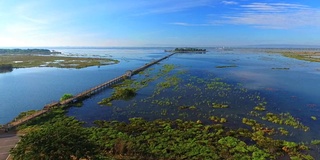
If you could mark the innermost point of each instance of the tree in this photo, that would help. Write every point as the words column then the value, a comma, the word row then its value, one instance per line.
column 62, row 140
column 66, row 96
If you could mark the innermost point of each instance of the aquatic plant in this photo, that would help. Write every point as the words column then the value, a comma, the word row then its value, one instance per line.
column 119, row 94
column 218, row 119
column 285, row 119
column 315, row 142
column 278, row 68
column 254, row 113
column 229, row 66
column 216, row 105
column 259, row 108
column 283, row 131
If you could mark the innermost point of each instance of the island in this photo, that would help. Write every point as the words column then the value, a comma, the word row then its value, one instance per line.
column 26, row 58
column 188, row 50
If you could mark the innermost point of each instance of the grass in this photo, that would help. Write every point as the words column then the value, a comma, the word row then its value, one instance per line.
column 306, row 55
column 27, row 61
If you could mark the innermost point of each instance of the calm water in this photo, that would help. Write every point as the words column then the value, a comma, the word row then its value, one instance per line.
column 294, row 90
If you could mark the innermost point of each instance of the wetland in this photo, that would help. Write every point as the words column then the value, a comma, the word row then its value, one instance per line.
column 218, row 105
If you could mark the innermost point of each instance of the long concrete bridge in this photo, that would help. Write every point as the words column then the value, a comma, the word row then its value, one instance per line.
column 83, row 95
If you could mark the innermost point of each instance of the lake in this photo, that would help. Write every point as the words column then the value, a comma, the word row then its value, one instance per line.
column 282, row 84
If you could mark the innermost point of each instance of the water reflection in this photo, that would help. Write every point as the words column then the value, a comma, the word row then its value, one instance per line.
column 6, row 68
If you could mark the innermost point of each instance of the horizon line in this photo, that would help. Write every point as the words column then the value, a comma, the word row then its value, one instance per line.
column 172, row 46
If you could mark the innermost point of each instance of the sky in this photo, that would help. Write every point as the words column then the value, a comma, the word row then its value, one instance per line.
column 118, row 23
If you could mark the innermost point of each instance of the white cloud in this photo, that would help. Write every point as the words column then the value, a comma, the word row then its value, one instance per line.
column 274, row 7
column 274, row 16
column 188, row 24
column 170, row 6
column 229, row 2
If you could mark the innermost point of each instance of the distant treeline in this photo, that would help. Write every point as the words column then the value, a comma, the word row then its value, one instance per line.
column 184, row 50
column 189, row 50
column 28, row 51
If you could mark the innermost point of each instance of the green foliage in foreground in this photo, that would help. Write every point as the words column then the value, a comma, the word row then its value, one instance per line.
column 165, row 139
column 58, row 141
column 56, row 136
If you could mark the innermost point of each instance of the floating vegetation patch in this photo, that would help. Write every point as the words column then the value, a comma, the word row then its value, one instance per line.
column 259, row 108
column 281, row 68
column 286, row 119
column 315, row 142
column 120, row 94
column 215, row 105
column 218, row 119
column 230, row 66
column 188, row 107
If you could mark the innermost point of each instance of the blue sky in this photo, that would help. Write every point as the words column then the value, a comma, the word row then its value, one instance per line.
column 158, row 23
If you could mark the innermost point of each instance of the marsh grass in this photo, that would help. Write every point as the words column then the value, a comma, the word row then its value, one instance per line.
column 27, row 61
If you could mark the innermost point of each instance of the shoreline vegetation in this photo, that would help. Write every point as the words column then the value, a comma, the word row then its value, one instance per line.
column 306, row 54
column 20, row 58
column 311, row 55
